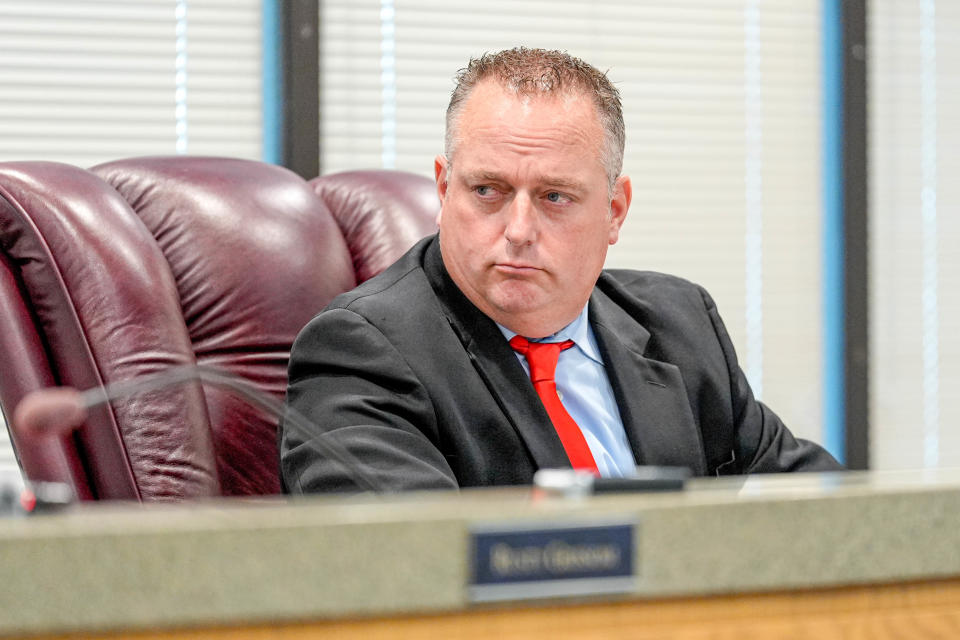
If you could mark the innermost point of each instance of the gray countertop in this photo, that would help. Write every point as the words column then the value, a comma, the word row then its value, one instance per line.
column 119, row 566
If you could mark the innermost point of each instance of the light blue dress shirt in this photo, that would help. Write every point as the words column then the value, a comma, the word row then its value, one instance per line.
column 586, row 394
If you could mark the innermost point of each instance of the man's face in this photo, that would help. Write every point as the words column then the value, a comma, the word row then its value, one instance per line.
column 526, row 215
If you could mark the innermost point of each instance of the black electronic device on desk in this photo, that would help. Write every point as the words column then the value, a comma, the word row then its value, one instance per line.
column 573, row 483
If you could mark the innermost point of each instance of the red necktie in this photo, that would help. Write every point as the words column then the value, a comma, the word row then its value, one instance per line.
column 542, row 358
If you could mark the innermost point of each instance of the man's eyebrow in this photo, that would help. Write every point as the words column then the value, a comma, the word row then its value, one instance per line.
column 482, row 176
column 547, row 181
column 563, row 183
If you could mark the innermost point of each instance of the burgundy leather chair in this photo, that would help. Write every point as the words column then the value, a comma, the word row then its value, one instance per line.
column 137, row 265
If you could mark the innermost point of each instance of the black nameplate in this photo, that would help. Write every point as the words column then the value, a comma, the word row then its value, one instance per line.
column 547, row 561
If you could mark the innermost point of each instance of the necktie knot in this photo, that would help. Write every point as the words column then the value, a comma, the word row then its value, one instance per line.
column 541, row 356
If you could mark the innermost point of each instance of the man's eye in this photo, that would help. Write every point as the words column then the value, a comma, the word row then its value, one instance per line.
column 556, row 197
column 483, row 190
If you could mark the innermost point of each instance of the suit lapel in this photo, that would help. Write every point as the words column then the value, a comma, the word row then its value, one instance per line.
column 651, row 395
column 497, row 365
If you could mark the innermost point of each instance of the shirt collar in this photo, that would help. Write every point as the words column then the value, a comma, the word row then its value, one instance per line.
column 579, row 331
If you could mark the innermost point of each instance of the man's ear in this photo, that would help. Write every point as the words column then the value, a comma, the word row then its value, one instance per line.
column 440, row 165
column 619, row 204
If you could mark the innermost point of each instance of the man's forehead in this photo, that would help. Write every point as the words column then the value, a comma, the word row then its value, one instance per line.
column 497, row 113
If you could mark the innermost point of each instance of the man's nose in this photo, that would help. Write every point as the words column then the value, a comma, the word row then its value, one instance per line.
column 521, row 227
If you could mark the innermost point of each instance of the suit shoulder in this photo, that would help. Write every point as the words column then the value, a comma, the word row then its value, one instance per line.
column 652, row 287
column 640, row 278
column 400, row 281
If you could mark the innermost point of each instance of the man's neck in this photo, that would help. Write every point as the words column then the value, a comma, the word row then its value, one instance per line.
column 570, row 331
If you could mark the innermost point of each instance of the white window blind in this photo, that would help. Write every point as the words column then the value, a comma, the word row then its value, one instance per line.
column 224, row 78
column 722, row 105
column 914, row 63
column 87, row 81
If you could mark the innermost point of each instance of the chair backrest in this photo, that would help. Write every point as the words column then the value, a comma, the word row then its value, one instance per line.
column 136, row 265
column 382, row 213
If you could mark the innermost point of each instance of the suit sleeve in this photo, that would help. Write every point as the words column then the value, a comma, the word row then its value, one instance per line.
column 357, row 392
column 762, row 443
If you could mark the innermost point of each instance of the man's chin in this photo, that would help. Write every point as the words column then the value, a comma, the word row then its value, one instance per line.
column 517, row 297
column 516, row 308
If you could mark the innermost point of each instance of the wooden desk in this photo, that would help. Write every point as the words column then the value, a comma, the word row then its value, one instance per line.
column 858, row 556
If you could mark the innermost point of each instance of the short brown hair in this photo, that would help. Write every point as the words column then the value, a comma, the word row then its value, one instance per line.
column 541, row 71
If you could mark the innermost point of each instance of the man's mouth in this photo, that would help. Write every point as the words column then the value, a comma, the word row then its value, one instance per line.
column 515, row 268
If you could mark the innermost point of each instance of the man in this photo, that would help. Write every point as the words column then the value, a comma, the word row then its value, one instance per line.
column 418, row 373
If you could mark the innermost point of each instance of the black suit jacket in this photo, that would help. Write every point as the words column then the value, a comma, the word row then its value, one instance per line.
column 422, row 387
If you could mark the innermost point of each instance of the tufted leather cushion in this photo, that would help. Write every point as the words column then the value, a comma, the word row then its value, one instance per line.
column 130, row 267
column 80, row 256
column 381, row 213
column 141, row 264
column 254, row 256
